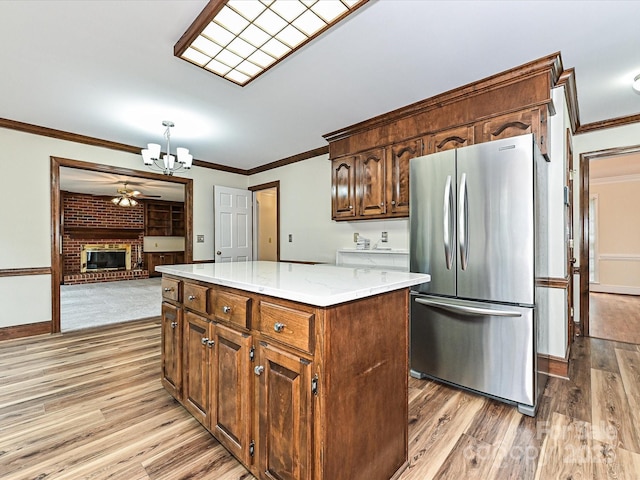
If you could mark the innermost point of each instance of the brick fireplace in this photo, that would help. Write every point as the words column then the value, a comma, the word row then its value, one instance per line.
column 95, row 223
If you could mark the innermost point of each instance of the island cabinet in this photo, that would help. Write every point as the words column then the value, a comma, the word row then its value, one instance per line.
column 293, row 391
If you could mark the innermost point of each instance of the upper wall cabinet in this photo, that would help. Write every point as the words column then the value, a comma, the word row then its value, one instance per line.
column 371, row 159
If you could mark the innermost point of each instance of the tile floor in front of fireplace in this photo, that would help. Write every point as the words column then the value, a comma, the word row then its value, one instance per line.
column 95, row 304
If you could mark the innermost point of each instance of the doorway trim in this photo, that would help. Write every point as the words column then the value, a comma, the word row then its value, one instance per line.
column 585, row 158
column 266, row 186
column 56, row 205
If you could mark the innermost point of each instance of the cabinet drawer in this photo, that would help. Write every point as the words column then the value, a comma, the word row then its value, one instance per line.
column 293, row 327
column 195, row 297
column 171, row 289
column 230, row 307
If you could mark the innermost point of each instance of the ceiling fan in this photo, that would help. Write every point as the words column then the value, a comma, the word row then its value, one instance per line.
column 128, row 198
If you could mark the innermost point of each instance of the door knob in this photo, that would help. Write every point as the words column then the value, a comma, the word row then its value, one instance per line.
column 218, row 252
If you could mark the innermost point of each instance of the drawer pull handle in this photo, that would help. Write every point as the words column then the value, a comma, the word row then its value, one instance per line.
column 174, row 324
column 258, row 370
column 168, row 289
column 226, row 309
column 192, row 297
column 278, row 327
column 204, row 340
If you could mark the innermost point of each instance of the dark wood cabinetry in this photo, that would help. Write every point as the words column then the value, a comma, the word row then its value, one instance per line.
column 449, row 139
column 344, row 187
column 398, row 175
column 172, row 349
column 267, row 377
column 164, row 219
column 511, row 103
column 155, row 259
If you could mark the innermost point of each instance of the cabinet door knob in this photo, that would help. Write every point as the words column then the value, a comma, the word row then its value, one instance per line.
column 204, row 340
column 393, row 202
column 192, row 297
column 278, row 327
column 211, row 343
column 168, row 289
column 258, row 370
column 226, row 309
column 350, row 207
column 174, row 324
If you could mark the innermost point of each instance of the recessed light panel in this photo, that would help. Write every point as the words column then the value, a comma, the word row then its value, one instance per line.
column 240, row 39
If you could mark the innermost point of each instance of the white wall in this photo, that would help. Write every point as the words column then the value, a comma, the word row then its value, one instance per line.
column 25, row 225
column 305, row 213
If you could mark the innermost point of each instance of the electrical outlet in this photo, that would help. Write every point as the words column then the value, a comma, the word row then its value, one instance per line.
column 200, row 238
column 355, row 237
column 290, row 237
column 384, row 237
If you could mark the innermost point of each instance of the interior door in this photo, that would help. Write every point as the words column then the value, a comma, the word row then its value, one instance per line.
column 432, row 220
column 233, row 224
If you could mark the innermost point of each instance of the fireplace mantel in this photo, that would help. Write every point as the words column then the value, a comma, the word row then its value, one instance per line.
column 94, row 233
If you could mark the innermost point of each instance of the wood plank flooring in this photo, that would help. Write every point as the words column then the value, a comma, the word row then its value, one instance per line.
column 614, row 317
column 89, row 405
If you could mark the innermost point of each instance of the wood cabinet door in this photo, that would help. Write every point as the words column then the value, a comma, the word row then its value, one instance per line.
column 285, row 420
column 398, row 175
column 370, row 184
column 171, row 349
column 343, row 185
column 519, row 123
column 449, row 139
column 196, row 366
column 231, row 390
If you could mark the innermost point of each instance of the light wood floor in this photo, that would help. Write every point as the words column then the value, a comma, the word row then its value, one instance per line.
column 615, row 317
column 89, row 405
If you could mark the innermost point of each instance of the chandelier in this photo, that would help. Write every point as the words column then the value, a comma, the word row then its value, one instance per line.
column 169, row 163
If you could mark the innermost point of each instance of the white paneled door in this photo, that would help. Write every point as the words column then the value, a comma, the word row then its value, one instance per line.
column 232, row 224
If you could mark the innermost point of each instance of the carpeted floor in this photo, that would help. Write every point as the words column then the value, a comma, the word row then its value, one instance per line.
column 95, row 304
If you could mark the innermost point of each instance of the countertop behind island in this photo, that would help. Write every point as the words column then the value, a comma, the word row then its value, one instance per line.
column 319, row 285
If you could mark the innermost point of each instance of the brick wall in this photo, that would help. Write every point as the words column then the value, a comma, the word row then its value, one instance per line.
column 82, row 210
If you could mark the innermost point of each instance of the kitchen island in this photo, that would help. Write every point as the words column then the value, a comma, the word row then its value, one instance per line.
column 300, row 371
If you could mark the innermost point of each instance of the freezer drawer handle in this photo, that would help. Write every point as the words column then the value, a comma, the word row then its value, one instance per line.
column 468, row 310
column 448, row 226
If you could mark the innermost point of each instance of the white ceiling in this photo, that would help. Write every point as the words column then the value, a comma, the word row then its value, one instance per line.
column 106, row 69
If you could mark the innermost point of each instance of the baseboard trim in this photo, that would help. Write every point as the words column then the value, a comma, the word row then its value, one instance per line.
column 621, row 289
column 557, row 366
column 28, row 330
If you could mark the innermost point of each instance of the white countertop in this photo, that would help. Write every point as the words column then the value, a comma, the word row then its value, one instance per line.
column 319, row 285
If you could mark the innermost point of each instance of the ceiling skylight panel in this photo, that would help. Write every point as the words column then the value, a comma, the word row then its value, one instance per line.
column 220, row 35
column 276, row 48
column 230, row 20
column 249, row 9
column 229, row 58
column 206, row 46
column 261, row 58
column 288, row 9
column 242, row 48
column 329, row 10
column 195, row 56
column 255, row 36
column 309, row 23
column 291, row 36
column 251, row 69
column 217, row 67
column 240, row 39
column 237, row 77
column 270, row 22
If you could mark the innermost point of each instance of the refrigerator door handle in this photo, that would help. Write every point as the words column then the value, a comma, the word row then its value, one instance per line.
column 464, row 223
column 448, row 225
column 464, row 309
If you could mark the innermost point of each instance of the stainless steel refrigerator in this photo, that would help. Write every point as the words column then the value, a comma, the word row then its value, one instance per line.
column 478, row 227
